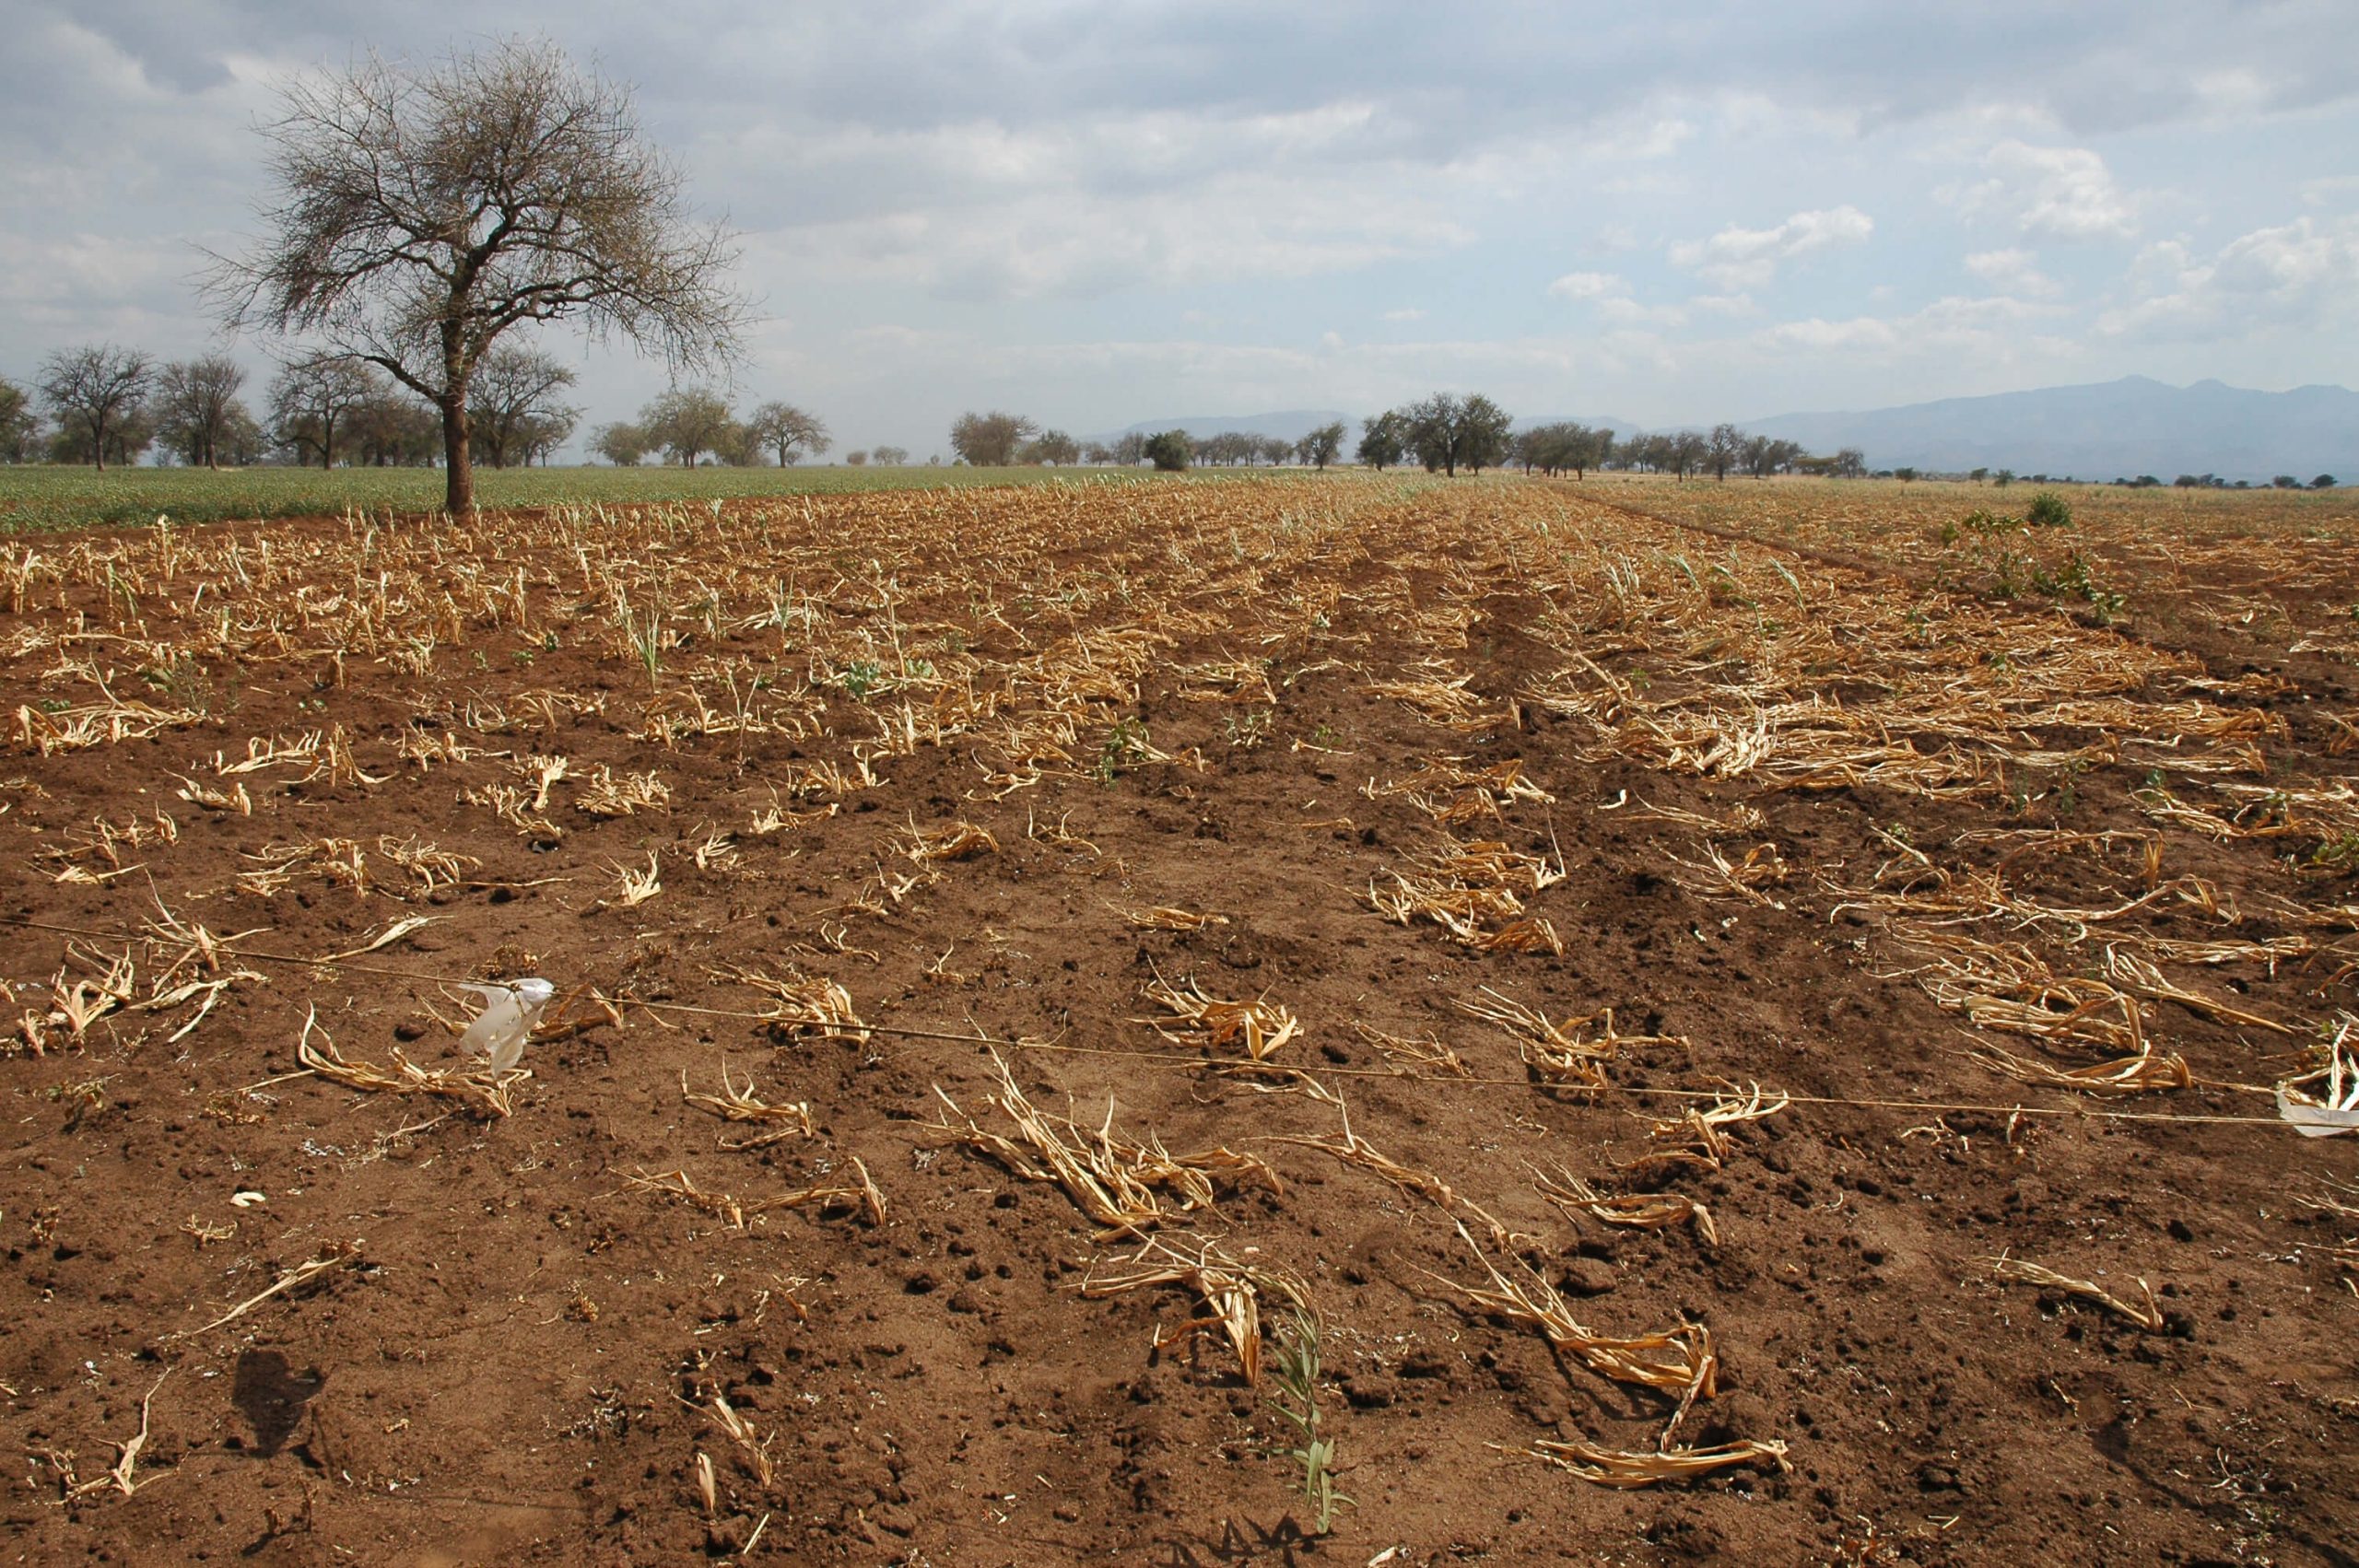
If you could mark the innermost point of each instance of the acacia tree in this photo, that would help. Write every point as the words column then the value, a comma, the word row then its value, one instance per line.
column 196, row 406
column 990, row 440
column 621, row 443
column 687, row 422
column 1051, row 447
column 1322, row 446
column 392, row 429
column 512, row 403
column 890, row 457
column 19, row 425
column 1384, row 440
column 1765, row 455
column 92, row 393
column 419, row 213
column 782, row 428
column 312, row 400
column 1449, row 433
column 1167, row 450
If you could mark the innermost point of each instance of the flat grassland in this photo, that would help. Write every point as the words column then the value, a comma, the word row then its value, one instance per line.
column 40, row 498
column 1743, row 1021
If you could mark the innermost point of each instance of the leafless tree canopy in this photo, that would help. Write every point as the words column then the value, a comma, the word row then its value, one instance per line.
column 93, row 392
column 513, row 402
column 315, row 402
column 197, row 407
column 420, row 214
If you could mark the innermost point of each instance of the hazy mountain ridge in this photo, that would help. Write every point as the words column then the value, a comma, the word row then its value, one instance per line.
column 2102, row 431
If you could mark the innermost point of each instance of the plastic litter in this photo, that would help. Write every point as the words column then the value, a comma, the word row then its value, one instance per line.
column 507, row 1019
column 2316, row 1115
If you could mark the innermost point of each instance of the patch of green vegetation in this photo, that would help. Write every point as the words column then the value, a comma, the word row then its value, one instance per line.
column 46, row 497
column 2337, row 856
column 1243, row 734
column 1126, row 746
column 1293, row 1399
column 2048, row 509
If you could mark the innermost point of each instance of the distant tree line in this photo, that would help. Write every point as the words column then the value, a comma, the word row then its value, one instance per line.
column 102, row 404
column 999, row 439
column 693, row 425
column 1444, row 434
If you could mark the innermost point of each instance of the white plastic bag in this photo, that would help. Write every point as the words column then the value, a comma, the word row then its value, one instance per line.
column 2323, row 1103
column 507, row 1019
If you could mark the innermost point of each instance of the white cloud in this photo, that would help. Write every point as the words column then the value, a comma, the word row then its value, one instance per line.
column 1621, row 311
column 1740, row 259
column 1407, row 314
column 2064, row 193
column 1048, row 242
column 2329, row 190
column 2015, row 271
column 2303, row 275
column 983, row 210
column 1589, row 286
column 1991, row 327
column 1723, row 305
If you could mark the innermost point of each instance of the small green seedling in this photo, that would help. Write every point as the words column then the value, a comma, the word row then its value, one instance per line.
column 1294, row 1398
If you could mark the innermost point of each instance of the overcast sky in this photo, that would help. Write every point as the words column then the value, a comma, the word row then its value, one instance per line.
column 1104, row 213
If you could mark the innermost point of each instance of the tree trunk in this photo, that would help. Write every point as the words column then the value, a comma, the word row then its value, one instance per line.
column 99, row 444
column 459, row 490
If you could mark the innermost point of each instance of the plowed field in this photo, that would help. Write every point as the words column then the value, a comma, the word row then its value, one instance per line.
column 1724, row 1049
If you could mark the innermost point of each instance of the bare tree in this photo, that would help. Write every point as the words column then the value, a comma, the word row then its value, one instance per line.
column 312, row 400
column 782, row 428
column 392, row 429
column 196, row 404
column 514, row 399
column 420, row 214
column 91, row 392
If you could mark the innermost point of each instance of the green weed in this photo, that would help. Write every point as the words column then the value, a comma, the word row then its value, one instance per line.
column 1293, row 1399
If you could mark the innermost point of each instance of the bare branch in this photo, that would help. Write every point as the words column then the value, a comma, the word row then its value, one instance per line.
column 421, row 214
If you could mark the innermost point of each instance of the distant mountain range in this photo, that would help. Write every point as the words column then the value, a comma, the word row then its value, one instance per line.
column 2109, row 429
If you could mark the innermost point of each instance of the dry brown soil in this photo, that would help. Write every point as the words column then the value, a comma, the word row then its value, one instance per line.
column 499, row 1338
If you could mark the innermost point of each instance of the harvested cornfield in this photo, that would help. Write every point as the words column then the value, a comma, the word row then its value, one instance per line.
column 1138, row 1021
